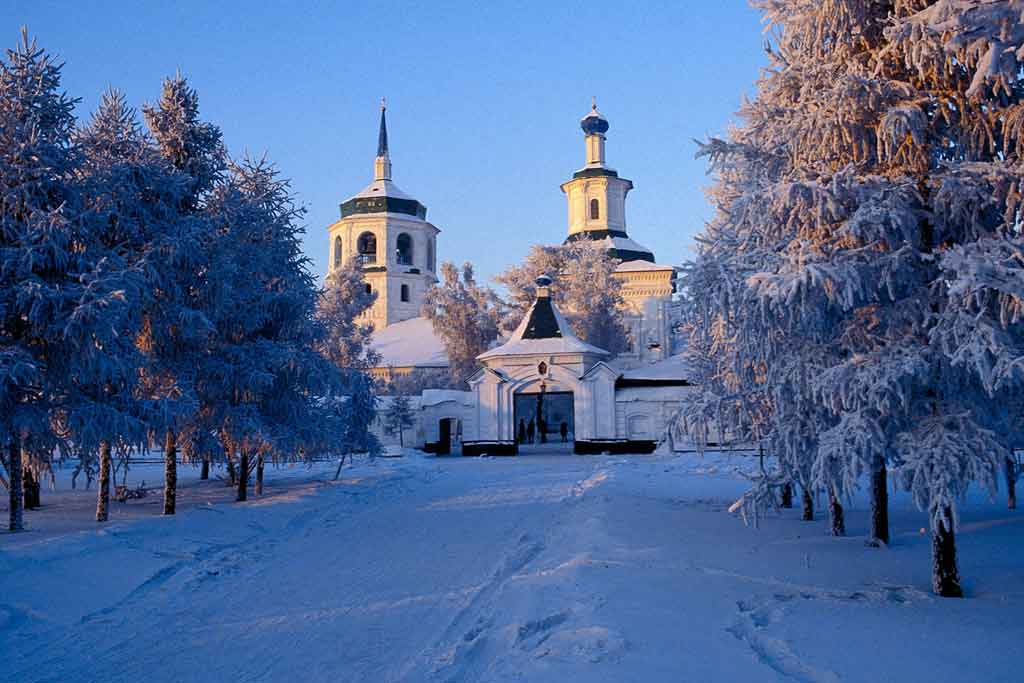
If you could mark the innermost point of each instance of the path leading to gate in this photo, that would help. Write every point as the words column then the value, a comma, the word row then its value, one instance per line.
column 535, row 568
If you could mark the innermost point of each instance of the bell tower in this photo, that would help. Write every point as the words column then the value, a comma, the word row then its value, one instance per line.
column 596, row 196
column 387, row 231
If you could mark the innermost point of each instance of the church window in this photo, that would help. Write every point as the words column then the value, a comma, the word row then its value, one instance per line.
column 595, row 209
column 404, row 250
column 405, row 292
column 337, row 252
column 367, row 247
column 430, row 255
column 369, row 288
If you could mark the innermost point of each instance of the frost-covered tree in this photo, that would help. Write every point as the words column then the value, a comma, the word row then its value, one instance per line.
column 398, row 417
column 466, row 317
column 346, row 344
column 879, row 153
column 589, row 294
column 37, row 254
column 126, row 196
column 267, row 389
column 343, row 301
column 175, row 327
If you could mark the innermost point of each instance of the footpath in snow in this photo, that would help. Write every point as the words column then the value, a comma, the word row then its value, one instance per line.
column 536, row 568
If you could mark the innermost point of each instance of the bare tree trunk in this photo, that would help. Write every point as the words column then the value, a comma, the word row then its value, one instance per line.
column 1011, row 484
column 243, row 477
column 30, row 487
column 259, row 475
column 945, row 575
column 879, row 500
column 16, row 522
column 787, row 495
column 204, row 472
column 835, row 509
column 808, row 505
column 170, row 473
column 103, row 491
column 232, row 472
column 340, row 465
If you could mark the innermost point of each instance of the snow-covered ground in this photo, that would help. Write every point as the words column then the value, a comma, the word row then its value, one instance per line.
column 537, row 568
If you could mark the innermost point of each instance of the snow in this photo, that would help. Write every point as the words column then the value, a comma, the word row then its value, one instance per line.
column 383, row 188
column 410, row 343
column 433, row 397
column 624, row 244
column 535, row 568
column 567, row 343
column 637, row 266
column 673, row 367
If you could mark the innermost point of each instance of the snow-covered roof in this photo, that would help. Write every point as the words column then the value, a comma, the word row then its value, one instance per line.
column 433, row 397
column 673, row 367
column 410, row 343
column 635, row 266
column 382, row 188
column 538, row 333
column 624, row 244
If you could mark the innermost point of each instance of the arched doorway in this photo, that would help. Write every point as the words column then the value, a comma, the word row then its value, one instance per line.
column 544, row 419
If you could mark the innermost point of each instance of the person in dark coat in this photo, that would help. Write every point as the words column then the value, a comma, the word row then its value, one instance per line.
column 522, row 430
column 563, row 429
column 529, row 431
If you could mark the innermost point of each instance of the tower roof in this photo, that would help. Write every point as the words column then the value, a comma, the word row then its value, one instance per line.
column 382, row 136
column 594, row 123
column 382, row 195
column 543, row 331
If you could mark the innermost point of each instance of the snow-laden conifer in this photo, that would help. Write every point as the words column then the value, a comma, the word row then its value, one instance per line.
column 41, row 257
column 176, row 329
column 880, row 151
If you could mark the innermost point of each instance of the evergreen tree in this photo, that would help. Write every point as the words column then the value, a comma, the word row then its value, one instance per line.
column 268, row 390
column 465, row 315
column 176, row 328
column 869, row 164
column 398, row 418
column 128, row 199
column 346, row 344
column 40, row 259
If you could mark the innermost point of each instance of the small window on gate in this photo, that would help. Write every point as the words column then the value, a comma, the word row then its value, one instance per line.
column 405, row 292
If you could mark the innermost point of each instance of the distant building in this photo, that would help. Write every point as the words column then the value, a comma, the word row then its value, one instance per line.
column 388, row 231
column 596, row 198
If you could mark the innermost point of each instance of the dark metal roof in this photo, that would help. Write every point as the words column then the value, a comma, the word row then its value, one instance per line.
column 542, row 324
column 410, row 207
column 596, row 173
column 382, row 137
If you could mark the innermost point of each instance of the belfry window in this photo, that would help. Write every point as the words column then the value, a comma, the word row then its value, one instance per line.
column 430, row 255
column 403, row 253
column 337, row 252
column 405, row 293
column 367, row 247
column 595, row 209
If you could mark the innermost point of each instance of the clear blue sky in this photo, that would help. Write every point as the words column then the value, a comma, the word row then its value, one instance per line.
column 483, row 100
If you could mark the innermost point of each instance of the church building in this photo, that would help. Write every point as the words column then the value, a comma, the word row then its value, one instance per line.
column 543, row 384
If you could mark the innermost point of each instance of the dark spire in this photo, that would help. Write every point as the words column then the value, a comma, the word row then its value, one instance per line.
column 382, row 138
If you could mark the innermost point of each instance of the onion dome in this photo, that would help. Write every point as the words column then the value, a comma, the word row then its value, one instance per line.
column 593, row 123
